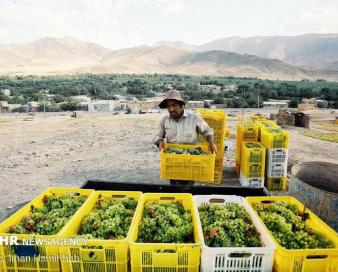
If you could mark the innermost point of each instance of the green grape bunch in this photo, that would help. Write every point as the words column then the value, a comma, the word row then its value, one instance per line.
column 165, row 223
column 110, row 219
column 50, row 218
column 288, row 226
column 227, row 226
column 188, row 151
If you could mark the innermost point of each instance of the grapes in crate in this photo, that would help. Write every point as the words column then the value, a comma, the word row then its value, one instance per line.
column 50, row 218
column 189, row 151
column 288, row 226
column 165, row 223
column 227, row 226
column 110, row 219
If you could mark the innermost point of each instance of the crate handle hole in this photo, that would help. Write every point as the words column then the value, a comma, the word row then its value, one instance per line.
column 90, row 249
column 74, row 194
column 267, row 201
column 239, row 255
column 118, row 196
column 216, row 200
column 165, row 251
column 311, row 257
column 167, row 198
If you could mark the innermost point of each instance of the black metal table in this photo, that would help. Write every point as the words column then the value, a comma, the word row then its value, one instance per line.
column 160, row 187
column 163, row 187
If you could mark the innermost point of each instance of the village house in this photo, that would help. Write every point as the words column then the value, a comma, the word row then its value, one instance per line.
column 33, row 106
column 211, row 88
column 194, row 104
column 146, row 105
column 6, row 92
column 275, row 105
column 100, row 105
column 81, row 98
column 4, row 106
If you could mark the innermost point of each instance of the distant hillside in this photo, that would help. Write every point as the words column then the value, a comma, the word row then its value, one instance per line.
column 221, row 62
column 69, row 55
column 178, row 45
column 49, row 55
column 144, row 59
column 316, row 51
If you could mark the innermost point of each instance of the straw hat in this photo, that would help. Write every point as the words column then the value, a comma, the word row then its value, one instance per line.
column 172, row 95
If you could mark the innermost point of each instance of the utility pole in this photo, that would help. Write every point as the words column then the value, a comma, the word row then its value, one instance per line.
column 43, row 91
column 44, row 107
column 244, row 101
column 258, row 101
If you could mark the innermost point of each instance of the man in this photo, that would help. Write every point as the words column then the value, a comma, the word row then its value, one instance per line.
column 180, row 126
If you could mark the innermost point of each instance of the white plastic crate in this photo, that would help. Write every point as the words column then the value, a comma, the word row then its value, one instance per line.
column 277, row 155
column 276, row 170
column 224, row 259
column 251, row 182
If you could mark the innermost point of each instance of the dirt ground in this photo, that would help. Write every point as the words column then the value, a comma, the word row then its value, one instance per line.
column 38, row 152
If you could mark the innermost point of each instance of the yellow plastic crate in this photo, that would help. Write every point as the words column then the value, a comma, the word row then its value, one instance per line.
column 217, row 123
column 276, row 184
column 219, row 144
column 252, row 152
column 255, row 118
column 187, row 167
column 253, row 170
column 238, row 151
column 239, row 148
column 253, row 160
column 302, row 260
column 274, row 138
column 215, row 118
column 98, row 254
column 267, row 123
column 218, row 138
column 227, row 132
column 218, row 177
column 181, row 257
column 247, row 130
column 204, row 111
column 237, row 168
column 218, row 171
column 47, row 255
column 264, row 123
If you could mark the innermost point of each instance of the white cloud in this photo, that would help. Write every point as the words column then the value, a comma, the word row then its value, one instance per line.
column 320, row 19
column 23, row 21
column 125, row 23
column 174, row 6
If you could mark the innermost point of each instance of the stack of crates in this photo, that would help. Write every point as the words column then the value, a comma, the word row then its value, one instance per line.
column 276, row 141
column 216, row 119
column 246, row 131
column 264, row 123
column 252, row 167
column 256, row 118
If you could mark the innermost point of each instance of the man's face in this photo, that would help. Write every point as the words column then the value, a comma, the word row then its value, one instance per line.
column 174, row 108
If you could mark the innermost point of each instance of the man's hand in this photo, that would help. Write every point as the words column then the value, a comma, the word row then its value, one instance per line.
column 213, row 147
column 160, row 144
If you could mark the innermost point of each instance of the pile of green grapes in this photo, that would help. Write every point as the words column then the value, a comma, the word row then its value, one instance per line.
column 165, row 223
column 189, row 151
column 288, row 226
column 110, row 219
column 50, row 218
column 227, row 226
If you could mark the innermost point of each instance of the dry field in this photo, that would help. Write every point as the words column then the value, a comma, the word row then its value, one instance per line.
column 37, row 152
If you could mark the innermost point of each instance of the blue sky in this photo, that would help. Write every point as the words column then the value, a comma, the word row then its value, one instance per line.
column 127, row 23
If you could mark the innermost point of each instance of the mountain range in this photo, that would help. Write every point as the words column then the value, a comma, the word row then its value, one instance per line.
column 311, row 56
